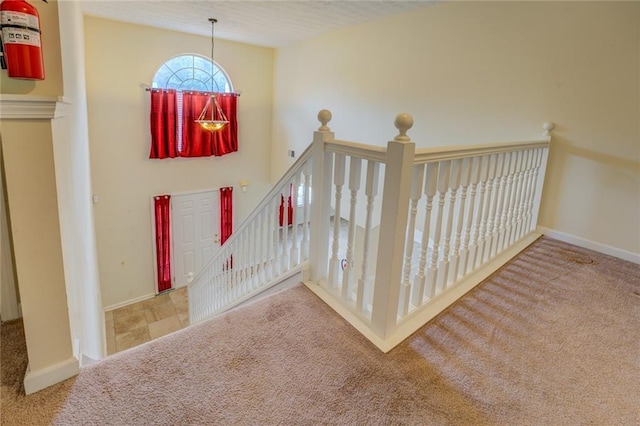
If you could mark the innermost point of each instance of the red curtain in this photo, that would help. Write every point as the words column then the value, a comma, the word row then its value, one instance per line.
column 289, row 208
column 163, row 124
column 225, row 141
column 226, row 213
column 196, row 142
column 162, row 207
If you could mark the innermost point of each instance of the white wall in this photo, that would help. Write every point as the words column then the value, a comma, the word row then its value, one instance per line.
column 120, row 59
column 474, row 72
column 27, row 148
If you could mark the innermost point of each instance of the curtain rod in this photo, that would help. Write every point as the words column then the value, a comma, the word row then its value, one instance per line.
column 148, row 89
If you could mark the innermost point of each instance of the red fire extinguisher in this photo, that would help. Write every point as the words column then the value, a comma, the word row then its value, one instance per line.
column 21, row 40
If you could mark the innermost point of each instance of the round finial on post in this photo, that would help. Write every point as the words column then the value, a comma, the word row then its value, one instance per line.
column 324, row 116
column 548, row 127
column 403, row 123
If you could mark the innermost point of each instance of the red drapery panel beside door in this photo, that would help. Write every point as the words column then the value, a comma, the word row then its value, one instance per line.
column 197, row 142
column 162, row 208
column 226, row 213
column 163, row 124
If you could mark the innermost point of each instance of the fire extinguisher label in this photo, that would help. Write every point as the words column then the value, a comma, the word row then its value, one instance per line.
column 19, row 19
column 20, row 36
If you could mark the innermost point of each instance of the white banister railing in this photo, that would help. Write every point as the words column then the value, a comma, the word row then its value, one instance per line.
column 270, row 245
column 387, row 236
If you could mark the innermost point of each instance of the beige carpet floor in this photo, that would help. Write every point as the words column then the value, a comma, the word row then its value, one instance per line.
column 553, row 338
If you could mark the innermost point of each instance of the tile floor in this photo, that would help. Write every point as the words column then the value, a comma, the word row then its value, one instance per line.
column 141, row 322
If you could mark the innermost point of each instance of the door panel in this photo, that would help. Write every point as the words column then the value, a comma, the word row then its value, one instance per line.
column 195, row 233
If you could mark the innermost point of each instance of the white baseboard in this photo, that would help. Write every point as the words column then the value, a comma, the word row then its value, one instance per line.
column 129, row 302
column 86, row 360
column 591, row 245
column 45, row 377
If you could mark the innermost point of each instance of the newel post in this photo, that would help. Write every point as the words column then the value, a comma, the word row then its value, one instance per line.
column 393, row 228
column 322, row 172
column 541, row 163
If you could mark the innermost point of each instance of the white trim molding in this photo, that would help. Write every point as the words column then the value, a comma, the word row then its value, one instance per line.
column 591, row 245
column 43, row 378
column 129, row 302
column 26, row 107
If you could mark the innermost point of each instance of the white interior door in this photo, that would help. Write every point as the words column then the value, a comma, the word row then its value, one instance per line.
column 195, row 220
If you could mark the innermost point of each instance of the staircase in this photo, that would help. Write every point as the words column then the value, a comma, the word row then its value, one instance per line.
column 388, row 237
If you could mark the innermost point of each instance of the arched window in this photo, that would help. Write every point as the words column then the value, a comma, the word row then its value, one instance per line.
column 177, row 99
column 192, row 72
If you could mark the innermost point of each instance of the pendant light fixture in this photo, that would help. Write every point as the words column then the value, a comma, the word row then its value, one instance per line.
column 217, row 120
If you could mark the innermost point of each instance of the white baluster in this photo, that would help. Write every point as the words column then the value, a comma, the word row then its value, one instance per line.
column 478, row 228
column 237, row 265
column 261, row 241
column 231, row 289
column 511, row 215
column 444, row 168
column 256, row 252
column 523, row 179
column 305, row 209
column 529, row 182
column 431, row 184
column 338, row 181
column 474, row 177
column 506, row 202
column 281, row 259
column 527, row 190
column 246, row 256
column 248, row 261
column 465, row 175
column 284, row 229
column 233, row 265
column 454, row 182
column 236, row 254
column 371, row 190
column 499, row 188
column 271, row 212
column 295, row 251
column 487, row 213
column 416, row 192
column 527, row 201
column 355, row 167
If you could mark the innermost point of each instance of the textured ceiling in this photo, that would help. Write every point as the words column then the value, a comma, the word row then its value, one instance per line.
column 272, row 23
